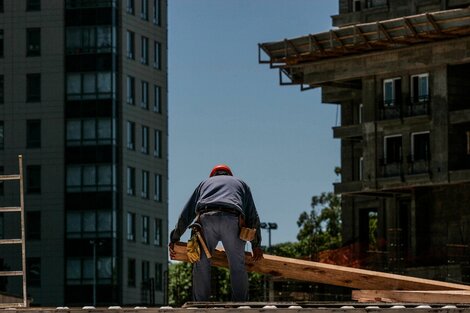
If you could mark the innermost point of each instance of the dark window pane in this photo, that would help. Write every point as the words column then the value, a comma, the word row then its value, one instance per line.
column 33, row 5
column 1, row 6
column 33, row 272
column 33, row 179
column 33, row 225
column 1, row 43
column 33, row 87
column 33, row 133
column 33, row 42
column 158, row 276
column 131, row 272
column 2, row 90
column 2, row 135
column 2, row 171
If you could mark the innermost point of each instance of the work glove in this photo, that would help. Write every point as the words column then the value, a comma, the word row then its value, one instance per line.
column 193, row 251
column 257, row 254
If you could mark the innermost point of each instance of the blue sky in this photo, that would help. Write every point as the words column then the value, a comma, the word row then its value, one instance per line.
column 224, row 107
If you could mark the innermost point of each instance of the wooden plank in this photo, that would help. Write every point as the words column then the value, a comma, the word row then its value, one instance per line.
column 328, row 274
column 413, row 296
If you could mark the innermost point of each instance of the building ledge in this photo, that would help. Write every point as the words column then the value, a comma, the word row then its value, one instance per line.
column 459, row 176
column 347, row 131
column 460, row 116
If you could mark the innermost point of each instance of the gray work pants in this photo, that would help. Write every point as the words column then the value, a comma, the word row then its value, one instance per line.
column 221, row 226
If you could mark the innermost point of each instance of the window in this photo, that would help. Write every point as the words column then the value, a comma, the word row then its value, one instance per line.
column 157, row 12
column 33, row 179
column 130, row 45
column 33, row 5
column 130, row 226
column 158, row 276
column 2, row 135
column 2, row 90
column 420, row 146
column 130, row 89
column 90, row 85
column 131, row 272
column 157, row 55
column 90, row 224
column 376, row 3
column 1, row 43
column 2, row 232
column 393, row 149
column 33, row 42
column 145, row 271
column 144, row 14
column 144, row 94
column 157, row 99
column 33, row 87
column 130, row 135
column 145, row 140
column 157, row 239
column 91, row 177
column 157, row 140
column 33, row 134
column 1, row 6
column 145, row 229
column 2, row 188
column 361, row 168
column 144, row 50
column 356, row 5
column 392, row 91
column 130, row 181
column 91, row 132
column 420, row 88
column 360, row 113
column 33, row 272
column 33, row 225
column 90, row 39
column 158, row 188
column 145, row 185
column 130, row 6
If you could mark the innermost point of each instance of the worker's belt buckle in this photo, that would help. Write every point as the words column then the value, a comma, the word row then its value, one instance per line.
column 247, row 234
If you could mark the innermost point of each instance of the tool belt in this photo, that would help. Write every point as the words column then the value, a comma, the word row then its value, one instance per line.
column 246, row 233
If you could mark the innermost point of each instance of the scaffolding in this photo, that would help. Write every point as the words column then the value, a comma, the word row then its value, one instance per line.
column 18, row 241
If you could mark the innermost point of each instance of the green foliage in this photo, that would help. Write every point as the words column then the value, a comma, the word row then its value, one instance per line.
column 320, row 229
column 180, row 283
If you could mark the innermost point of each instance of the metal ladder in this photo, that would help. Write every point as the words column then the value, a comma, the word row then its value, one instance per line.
column 20, row 241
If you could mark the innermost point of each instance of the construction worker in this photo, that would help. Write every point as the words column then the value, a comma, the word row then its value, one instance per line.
column 219, row 203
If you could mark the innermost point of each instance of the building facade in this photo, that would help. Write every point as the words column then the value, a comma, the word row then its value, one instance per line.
column 399, row 72
column 83, row 97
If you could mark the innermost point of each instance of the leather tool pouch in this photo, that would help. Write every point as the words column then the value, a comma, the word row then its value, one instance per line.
column 246, row 233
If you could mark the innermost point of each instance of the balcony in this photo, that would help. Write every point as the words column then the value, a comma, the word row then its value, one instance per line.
column 394, row 109
column 391, row 168
column 419, row 166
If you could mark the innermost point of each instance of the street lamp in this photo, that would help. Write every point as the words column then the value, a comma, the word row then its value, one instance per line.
column 268, row 226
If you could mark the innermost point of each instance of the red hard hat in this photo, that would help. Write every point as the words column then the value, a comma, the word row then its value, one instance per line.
column 221, row 168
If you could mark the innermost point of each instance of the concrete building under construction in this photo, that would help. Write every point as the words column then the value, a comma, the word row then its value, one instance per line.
column 399, row 70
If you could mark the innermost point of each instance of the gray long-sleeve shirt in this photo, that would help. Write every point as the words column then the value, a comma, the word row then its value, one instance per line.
column 225, row 191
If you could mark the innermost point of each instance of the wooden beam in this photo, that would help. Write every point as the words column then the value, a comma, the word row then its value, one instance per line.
column 419, row 296
column 327, row 274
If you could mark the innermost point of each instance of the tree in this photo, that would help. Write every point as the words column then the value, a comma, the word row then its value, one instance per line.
column 180, row 283
column 320, row 229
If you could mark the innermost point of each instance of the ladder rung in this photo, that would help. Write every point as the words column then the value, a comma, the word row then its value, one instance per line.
column 11, row 273
column 9, row 177
column 12, row 305
column 10, row 241
column 10, row 209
